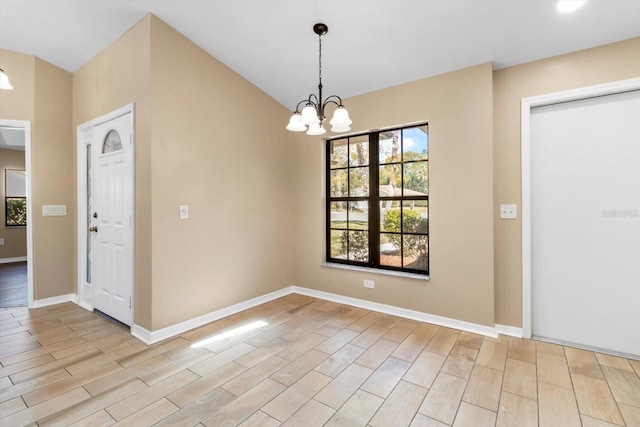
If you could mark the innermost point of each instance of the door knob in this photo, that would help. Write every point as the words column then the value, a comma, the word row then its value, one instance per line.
column 93, row 229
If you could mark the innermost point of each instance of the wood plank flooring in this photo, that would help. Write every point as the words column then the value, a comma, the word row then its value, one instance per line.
column 13, row 284
column 314, row 363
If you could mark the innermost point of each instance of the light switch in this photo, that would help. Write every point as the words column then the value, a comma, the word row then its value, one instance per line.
column 54, row 210
column 508, row 211
column 184, row 211
column 1, row 241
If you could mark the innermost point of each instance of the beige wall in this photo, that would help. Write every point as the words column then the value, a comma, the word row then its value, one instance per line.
column 458, row 108
column 207, row 138
column 218, row 145
column 599, row 65
column 15, row 238
column 52, row 168
column 42, row 95
column 118, row 76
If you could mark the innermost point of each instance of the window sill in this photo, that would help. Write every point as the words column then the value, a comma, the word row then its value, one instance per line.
column 376, row 271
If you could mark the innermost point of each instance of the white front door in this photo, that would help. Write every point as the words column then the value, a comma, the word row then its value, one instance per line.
column 112, row 218
column 585, row 222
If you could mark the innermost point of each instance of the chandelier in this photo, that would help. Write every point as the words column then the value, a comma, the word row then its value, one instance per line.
column 311, row 118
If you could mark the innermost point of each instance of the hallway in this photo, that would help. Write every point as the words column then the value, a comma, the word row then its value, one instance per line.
column 13, row 284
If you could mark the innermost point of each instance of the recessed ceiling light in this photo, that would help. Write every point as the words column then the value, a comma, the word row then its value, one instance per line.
column 568, row 6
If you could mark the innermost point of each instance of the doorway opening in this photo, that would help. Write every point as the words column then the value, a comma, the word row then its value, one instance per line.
column 16, row 244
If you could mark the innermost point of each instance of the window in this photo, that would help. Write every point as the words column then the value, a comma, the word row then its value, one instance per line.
column 112, row 142
column 386, row 225
column 15, row 200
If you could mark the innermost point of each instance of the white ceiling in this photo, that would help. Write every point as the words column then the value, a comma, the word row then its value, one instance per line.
column 370, row 45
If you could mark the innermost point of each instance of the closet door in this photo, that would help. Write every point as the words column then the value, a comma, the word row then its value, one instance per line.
column 585, row 222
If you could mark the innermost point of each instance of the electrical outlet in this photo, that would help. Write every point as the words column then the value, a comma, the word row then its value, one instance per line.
column 1, row 241
column 184, row 211
column 369, row 284
column 508, row 211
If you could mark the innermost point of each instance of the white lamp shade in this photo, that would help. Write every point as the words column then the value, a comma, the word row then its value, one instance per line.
column 340, row 118
column 295, row 124
column 316, row 129
column 4, row 81
column 310, row 115
column 340, row 129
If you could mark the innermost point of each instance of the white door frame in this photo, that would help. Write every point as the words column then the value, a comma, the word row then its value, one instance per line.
column 26, row 125
column 84, row 138
column 526, row 105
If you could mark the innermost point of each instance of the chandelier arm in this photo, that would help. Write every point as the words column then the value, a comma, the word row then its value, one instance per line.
column 304, row 101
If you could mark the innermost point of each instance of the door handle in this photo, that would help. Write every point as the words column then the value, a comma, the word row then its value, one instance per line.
column 93, row 229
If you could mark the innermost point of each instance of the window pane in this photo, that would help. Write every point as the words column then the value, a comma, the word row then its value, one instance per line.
column 338, row 215
column 338, row 153
column 339, row 244
column 416, row 251
column 389, row 147
column 390, row 250
column 358, row 182
column 390, row 180
column 16, row 211
column 390, row 216
column 415, row 144
column 359, row 215
column 338, row 183
column 358, row 246
column 416, row 178
column 359, row 151
column 112, row 142
column 415, row 216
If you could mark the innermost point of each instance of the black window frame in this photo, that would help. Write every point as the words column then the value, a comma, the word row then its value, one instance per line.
column 374, row 201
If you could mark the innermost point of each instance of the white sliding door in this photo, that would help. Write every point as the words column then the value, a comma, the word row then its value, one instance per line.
column 585, row 222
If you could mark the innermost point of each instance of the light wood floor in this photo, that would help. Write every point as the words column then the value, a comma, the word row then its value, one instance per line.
column 13, row 284
column 315, row 363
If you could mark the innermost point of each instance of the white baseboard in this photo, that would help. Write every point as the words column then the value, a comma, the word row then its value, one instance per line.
column 152, row 337
column 401, row 312
column 510, row 331
column 15, row 259
column 55, row 300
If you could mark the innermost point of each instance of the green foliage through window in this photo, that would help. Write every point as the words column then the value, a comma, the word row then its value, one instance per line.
column 16, row 211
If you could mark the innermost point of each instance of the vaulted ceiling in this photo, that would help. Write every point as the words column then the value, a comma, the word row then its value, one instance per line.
column 370, row 44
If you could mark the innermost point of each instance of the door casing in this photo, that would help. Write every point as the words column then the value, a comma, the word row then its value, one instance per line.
column 526, row 105
column 85, row 138
column 26, row 125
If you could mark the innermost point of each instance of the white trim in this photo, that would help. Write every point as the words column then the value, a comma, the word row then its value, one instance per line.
column 84, row 305
column 510, row 331
column 526, row 105
column 152, row 337
column 375, row 270
column 400, row 312
column 26, row 125
column 14, row 259
column 55, row 300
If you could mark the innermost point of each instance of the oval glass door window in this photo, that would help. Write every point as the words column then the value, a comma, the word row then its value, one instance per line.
column 112, row 142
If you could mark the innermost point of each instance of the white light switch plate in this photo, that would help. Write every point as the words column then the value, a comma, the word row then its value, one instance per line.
column 54, row 210
column 508, row 211
column 184, row 211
